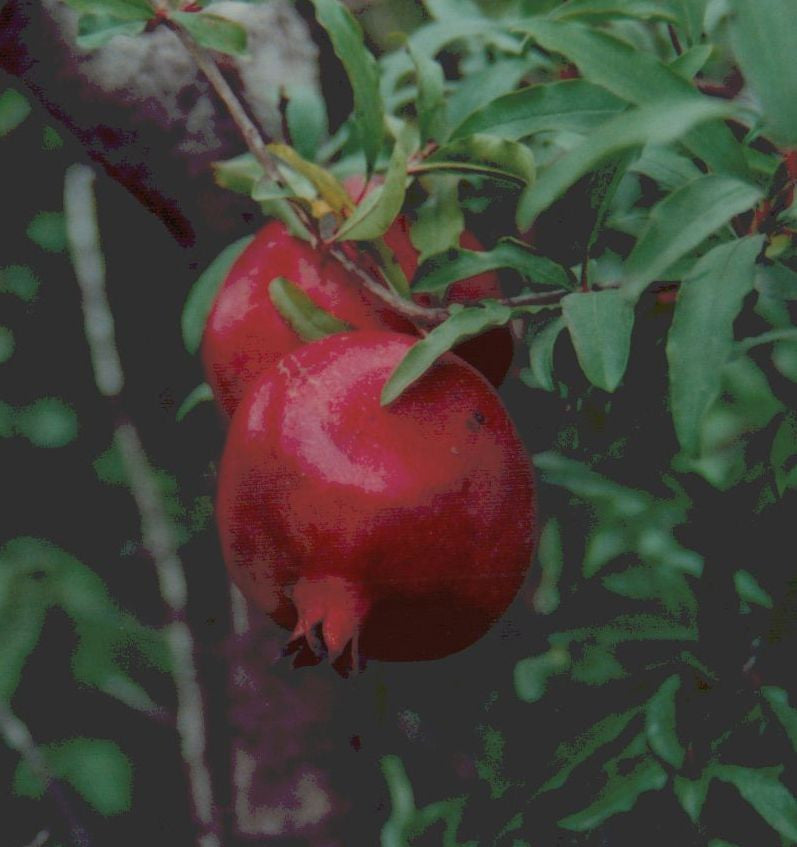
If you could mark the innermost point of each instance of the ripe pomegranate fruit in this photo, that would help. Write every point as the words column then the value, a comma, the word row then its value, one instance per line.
column 245, row 332
column 490, row 353
column 395, row 533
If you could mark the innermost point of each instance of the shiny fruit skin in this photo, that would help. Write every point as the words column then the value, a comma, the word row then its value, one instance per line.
column 490, row 353
column 406, row 528
column 245, row 333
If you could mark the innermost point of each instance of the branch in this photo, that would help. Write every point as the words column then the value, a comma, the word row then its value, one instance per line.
column 157, row 530
column 17, row 736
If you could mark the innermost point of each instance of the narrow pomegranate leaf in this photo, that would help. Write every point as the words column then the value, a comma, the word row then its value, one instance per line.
column 778, row 700
column 21, row 624
column 483, row 154
column 200, row 299
column 700, row 339
column 656, row 10
column 440, row 221
column 600, row 324
column 531, row 675
column 125, row 10
column 440, row 271
column 308, row 320
column 325, row 183
column 213, row 31
column 572, row 104
column 199, row 395
column 240, row 173
column 619, row 794
column 430, row 103
column 347, row 40
column 763, row 35
column 306, row 115
column 463, row 324
column 660, row 723
column 691, row 793
column 641, row 79
column 541, row 342
column 661, row 122
column 762, row 789
column 96, row 30
column 14, row 108
column 691, row 61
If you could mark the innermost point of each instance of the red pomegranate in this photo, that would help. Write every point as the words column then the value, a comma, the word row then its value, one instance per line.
column 245, row 333
column 401, row 532
column 490, row 353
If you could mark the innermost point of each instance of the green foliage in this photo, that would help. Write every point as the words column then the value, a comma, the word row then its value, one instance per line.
column 300, row 312
column 14, row 108
column 48, row 422
column 213, row 31
column 48, row 232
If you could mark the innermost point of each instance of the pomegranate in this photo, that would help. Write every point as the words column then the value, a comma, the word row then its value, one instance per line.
column 490, row 353
column 245, row 333
column 394, row 533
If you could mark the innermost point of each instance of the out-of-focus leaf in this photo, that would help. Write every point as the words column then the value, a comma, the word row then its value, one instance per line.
column 778, row 701
column 762, row 789
column 783, row 454
column 463, row 324
column 641, row 78
column 438, row 272
column 549, row 553
column 375, row 214
column 691, row 794
column 309, row 321
column 596, row 666
column 48, row 231
column 202, row 393
column 660, row 123
column 574, row 105
column 20, row 281
column 346, row 36
column 490, row 765
column 620, row 794
column 402, row 801
column 763, row 35
column 213, row 31
column 306, row 115
column 532, row 674
column 700, row 340
column 541, row 341
column 691, row 61
column 240, row 173
column 97, row 769
column 48, row 422
column 660, row 723
column 14, row 108
column 484, row 154
column 200, row 299
column 97, row 30
column 663, row 10
column 570, row 754
column 749, row 589
column 125, row 10
column 670, row 169
column 22, row 613
column 430, row 103
column 607, row 542
column 440, row 220
column 600, row 324
column 6, row 344
column 325, row 183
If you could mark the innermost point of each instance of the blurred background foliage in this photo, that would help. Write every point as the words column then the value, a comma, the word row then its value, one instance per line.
column 642, row 685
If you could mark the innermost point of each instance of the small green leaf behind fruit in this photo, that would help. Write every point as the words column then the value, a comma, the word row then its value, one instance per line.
column 309, row 321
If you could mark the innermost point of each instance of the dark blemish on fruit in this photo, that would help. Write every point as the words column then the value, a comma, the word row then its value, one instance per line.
column 475, row 421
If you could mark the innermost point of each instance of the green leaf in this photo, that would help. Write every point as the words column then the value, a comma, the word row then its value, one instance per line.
column 660, row 123
column 541, row 341
column 6, row 344
column 596, row 666
column 97, row 769
column 700, row 340
column 570, row 754
column 306, row 115
column 574, row 105
column 670, row 169
column 778, row 701
column 14, row 108
column 325, row 183
column 783, row 454
column 532, row 674
column 95, row 31
column 200, row 299
column 600, row 324
column 463, row 324
column 375, row 214
column 240, row 174
column 213, row 31
column 607, row 542
column 440, row 220
column 660, row 723
column 200, row 394
column 691, row 61
column 48, row 231
column 549, row 553
column 483, row 154
column 430, row 103
column 749, row 589
column 124, row 10
column 693, row 13
column 691, row 794
column 309, row 321
column 48, row 422
column 402, row 801
column 763, row 35
column 765, row 793
column 661, row 10
column 20, row 281
column 440, row 271
column 22, row 613
column 640, row 78
column 347, row 41
column 619, row 794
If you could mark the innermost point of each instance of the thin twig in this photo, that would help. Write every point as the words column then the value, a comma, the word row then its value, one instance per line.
column 157, row 530
column 17, row 736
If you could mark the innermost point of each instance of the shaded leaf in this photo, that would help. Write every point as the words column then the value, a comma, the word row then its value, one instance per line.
column 691, row 794
column 125, row 10
column 430, row 103
column 306, row 115
column 600, row 324
column 7, row 344
column 346, row 36
column 749, row 589
column 48, row 231
column 700, row 340
column 309, row 321
column 325, row 183
column 596, row 666
column 660, row 723
column 14, row 108
column 20, row 281
column 200, row 299
column 213, row 31
column 483, row 154
column 97, row 30
column 48, row 422
column 463, row 324
column 440, row 220
column 531, row 675
column 778, row 701
column 200, row 394
column 541, row 341
column 601, row 9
